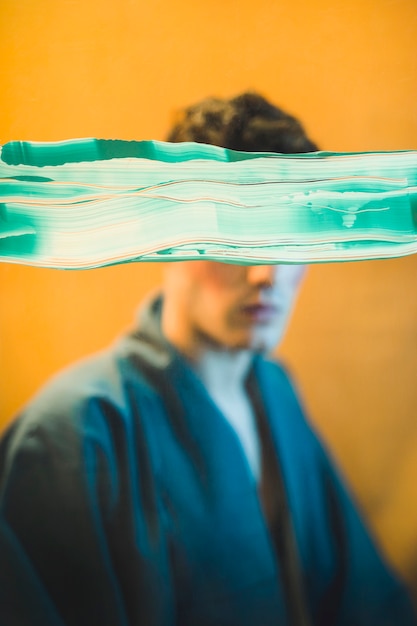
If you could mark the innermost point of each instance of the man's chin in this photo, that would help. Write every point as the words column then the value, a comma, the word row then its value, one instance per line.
column 257, row 345
column 257, row 342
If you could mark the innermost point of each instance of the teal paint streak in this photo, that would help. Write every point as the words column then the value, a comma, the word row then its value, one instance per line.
column 87, row 203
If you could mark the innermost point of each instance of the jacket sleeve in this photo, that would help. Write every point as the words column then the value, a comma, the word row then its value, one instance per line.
column 365, row 591
column 23, row 599
column 75, row 543
column 54, row 553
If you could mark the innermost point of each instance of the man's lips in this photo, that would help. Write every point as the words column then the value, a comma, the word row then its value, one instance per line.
column 260, row 312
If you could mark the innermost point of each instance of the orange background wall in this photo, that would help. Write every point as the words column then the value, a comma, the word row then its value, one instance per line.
column 119, row 69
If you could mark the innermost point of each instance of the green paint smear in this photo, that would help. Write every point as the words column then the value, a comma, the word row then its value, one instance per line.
column 87, row 203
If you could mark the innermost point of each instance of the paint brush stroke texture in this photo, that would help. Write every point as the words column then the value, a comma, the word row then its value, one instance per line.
column 86, row 203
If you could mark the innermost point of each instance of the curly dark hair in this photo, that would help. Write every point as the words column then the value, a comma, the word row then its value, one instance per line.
column 246, row 122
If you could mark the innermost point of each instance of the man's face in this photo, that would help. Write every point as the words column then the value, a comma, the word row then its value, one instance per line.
column 236, row 307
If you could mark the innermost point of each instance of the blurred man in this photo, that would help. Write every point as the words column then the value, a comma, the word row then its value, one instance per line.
column 173, row 480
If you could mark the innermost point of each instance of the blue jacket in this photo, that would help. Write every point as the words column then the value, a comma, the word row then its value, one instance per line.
column 126, row 500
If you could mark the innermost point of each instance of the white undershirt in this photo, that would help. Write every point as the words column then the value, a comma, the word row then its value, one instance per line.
column 223, row 375
column 238, row 411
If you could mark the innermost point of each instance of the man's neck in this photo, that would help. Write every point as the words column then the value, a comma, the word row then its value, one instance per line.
column 221, row 368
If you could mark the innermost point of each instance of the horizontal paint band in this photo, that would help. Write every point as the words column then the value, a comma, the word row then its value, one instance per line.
column 87, row 203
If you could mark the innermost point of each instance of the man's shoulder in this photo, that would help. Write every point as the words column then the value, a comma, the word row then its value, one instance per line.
column 95, row 388
column 104, row 389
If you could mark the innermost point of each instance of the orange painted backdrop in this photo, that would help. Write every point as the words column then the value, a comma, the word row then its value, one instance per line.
column 120, row 68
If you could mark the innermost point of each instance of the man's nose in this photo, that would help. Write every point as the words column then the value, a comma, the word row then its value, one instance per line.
column 263, row 276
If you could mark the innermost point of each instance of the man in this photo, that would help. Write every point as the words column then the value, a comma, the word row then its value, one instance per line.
column 173, row 479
